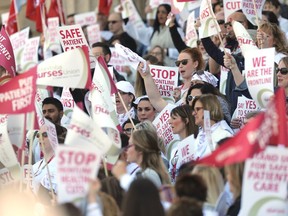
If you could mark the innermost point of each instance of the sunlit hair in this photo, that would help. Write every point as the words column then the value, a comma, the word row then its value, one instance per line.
column 185, row 113
column 236, row 175
column 280, row 41
column 213, row 180
column 212, row 104
column 195, row 55
column 146, row 141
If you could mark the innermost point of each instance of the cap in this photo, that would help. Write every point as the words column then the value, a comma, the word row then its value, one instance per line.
column 137, row 100
column 205, row 76
column 126, row 87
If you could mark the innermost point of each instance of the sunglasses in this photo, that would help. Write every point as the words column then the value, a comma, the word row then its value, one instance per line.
column 183, row 62
column 190, row 97
column 221, row 22
column 44, row 135
column 128, row 130
column 283, row 71
column 113, row 22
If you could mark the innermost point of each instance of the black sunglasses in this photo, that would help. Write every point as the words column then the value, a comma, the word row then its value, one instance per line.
column 283, row 71
column 183, row 62
column 221, row 22
column 190, row 97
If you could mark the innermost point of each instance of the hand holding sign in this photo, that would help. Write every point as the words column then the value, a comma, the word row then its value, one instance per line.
column 229, row 61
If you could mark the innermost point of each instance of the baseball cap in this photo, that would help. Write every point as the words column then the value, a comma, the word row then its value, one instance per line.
column 126, row 87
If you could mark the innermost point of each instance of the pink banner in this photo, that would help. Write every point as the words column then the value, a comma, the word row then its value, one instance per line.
column 18, row 95
column 6, row 53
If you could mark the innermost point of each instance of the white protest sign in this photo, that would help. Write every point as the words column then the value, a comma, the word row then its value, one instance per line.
column 72, row 37
column 18, row 41
column 87, row 18
column 249, row 8
column 245, row 41
column 230, row 6
column 264, row 189
column 6, row 178
column 52, row 42
column 209, row 25
column 118, row 62
column 244, row 106
column 259, row 75
column 41, row 94
column 223, row 79
column 58, row 70
column 83, row 130
column 49, row 127
column 15, row 126
column 207, row 129
column 68, row 106
column 166, row 79
column 94, row 34
column 156, row 3
column 191, row 36
column 164, row 130
column 4, row 18
column 76, row 166
column 186, row 150
column 30, row 54
column 27, row 175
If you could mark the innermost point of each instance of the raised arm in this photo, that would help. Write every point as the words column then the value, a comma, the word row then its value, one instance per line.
column 230, row 62
column 151, row 89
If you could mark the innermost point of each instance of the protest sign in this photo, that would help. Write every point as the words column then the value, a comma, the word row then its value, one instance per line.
column 166, row 79
column 7, row 59
column 259, row 75
column 191, row 36
column 4, row 18
column 41, row 94
column 27, row 175
column 58, row 70
column 244, row 106
column 16, row 129
column 18, row 41
column 51, row 40
column 244, row 39
column 88, row 18
column 76, row 167
column 187, row 150
column 265, row 180
column 30, row 54
column 6, row 178
column 118, row 62
column 223, row 79
column 230, row 6
column 18, row 95
column 50, row 129
column 267, row 128
column 93, row 33
column 209, row 25
column 83, row 130
column 68, row 105
column 164, row 130
column 72, row 37
column 249, row 7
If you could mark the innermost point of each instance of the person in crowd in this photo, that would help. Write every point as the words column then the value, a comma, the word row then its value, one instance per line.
column 115, row 24
column 219, row 128
column 145, row 110
column 159, row 53
column 234, row 175
column 127, row 126
column 4, row 76
column 127, row 93
column 269, row 16
column 70, row 20
column 102, row 49
column 199, row 89
column 142, row 199
column 144, row 150
column 270, row 35
column 282, row 74
column 185, row 206
column 275, row 7
column 182, row 123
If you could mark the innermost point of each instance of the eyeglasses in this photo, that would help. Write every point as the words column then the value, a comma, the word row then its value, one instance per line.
column 190, row 97
column 221, row 22
column 113, row 21
column 128, row 130
column 44, row 135
column 283, row 71
column 197, row 109
column 183, row 62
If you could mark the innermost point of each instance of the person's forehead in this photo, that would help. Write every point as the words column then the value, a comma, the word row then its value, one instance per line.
column 237, row 16
column 144, row 103
column 128, row 125
column 49, row 106
column 97, row 50
column 114, row 16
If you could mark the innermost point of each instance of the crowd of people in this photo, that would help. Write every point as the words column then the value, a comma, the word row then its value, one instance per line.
column 148, row 177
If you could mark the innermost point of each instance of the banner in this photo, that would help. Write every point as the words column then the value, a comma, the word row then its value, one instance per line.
column 267, row 128
column 264, row 189
column 164, row 130
column 18, row 41
column 29, row 57
column 244, row 106
column 249, row 8
column 186, row 150
column 166, row 79
column 83, row 130
column 72, row 37
column 76, row 167
column 245, row 41
column 259, row 75
column 18, row 95
column 7, row 59
column 230, row 6
column 88, row 18
column 209, row 25
column 58, row 70
column 191, row 36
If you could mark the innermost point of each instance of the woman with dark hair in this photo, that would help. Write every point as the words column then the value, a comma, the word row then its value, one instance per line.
column 144, row 150
column 269, row 16
column 142, row 199
column 145, row 110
